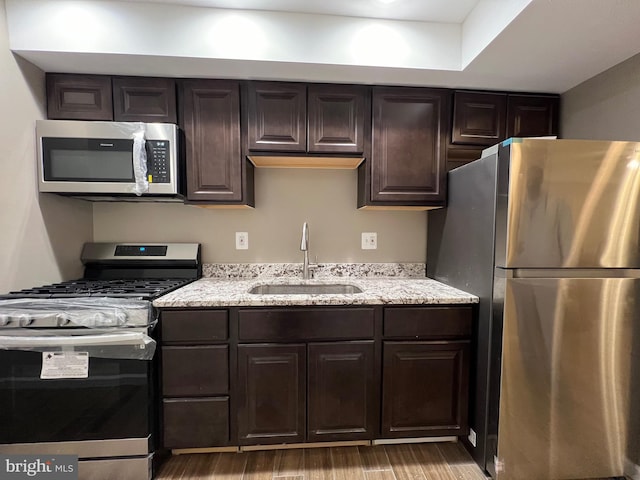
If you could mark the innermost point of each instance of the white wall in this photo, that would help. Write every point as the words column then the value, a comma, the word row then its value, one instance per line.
column 605, row 107
column 164, row 30
column 285, row 198
column 40, row 236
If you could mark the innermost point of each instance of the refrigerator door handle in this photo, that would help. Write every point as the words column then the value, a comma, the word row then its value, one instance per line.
column 567, row 272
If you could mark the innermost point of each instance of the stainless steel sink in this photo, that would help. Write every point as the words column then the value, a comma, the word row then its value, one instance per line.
column 305, row 289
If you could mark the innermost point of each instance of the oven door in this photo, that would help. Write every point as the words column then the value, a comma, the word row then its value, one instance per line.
column 114, row 401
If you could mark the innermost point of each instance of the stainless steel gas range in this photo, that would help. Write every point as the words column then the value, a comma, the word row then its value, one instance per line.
column 77, row 359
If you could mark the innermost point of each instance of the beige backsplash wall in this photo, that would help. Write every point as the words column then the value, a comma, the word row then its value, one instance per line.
column 605, row 107
column 285, row 198
column 40, row 235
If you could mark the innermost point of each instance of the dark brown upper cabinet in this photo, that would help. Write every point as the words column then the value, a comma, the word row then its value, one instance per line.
column 478, row 118
column 532, row 115
column 315, row 119
column 79, row 97
column 140, row 99
column 277, row 114
column 101, row 97
column 338, row 116
column 482, row 119
column 210, row 118
column 407, row 162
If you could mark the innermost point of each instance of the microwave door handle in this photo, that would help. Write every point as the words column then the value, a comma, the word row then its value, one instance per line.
column 9, row 342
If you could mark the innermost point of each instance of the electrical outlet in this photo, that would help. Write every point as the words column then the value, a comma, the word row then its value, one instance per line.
column 472, row 437
column 242, row 240
column 369, row 240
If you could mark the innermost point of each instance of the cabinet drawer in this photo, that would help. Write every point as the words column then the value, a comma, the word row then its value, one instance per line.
column 428, row 322
column 194, row 326
column 195, row 371
column 196, row 422
column 305, row 324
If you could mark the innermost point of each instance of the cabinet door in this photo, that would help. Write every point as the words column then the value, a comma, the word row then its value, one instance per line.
column 277, row 115
column 478, row 118
column 532, row 116
column 337, row 118
column 271, row 394
column 195, row 370
column 211, row 123
column 195, row 422
column 425, row 389
column 140, row 99
column 342, row 396
column 79, row 97
column 408, row 146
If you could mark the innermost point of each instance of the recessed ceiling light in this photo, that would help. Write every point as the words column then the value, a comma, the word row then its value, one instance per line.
column 386, row 1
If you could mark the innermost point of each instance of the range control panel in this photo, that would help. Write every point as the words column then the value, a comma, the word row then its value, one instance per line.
column 158, row 170
column 140, row 250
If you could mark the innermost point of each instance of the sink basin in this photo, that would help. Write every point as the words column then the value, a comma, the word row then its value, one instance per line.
column 305, row 289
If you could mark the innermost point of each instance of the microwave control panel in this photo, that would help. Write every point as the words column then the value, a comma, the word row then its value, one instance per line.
column 158, row 170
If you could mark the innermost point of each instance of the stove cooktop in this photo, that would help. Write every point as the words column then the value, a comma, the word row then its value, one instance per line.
column 126, row 270
column 147, row 289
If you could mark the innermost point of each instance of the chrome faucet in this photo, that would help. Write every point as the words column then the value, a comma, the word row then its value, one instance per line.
column 304, row 246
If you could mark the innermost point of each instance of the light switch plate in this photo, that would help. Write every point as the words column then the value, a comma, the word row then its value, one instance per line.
column 369, row 240
column 242, row 240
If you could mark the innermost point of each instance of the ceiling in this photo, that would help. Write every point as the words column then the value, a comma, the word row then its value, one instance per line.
column 521, row 45
column 445, row 11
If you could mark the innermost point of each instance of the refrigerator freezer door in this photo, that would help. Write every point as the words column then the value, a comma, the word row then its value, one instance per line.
column 568, row 203
column 568, row 394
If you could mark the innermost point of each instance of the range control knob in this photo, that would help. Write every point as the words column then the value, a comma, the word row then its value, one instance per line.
column 4, row 320
column 24, row 320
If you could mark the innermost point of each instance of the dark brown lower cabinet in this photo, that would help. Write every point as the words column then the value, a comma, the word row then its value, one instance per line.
column 195, row 422
column 425, row 388
column 195, row 378
column 342, row 395
column 314, row 374
column 271, row 394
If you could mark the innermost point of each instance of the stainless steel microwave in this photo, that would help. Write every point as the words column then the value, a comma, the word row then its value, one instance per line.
column 108, row 160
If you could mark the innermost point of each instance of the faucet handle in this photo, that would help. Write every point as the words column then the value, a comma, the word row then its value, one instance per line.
column 312, row 267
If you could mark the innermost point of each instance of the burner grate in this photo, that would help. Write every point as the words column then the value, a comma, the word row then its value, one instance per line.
column 144, row 288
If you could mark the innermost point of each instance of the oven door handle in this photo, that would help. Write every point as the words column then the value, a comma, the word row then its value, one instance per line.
column 35, row 340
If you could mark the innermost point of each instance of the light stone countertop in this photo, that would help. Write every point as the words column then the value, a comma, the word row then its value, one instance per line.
column 224, row 292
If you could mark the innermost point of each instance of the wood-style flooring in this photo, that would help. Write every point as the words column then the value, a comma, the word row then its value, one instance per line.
column 426, row 461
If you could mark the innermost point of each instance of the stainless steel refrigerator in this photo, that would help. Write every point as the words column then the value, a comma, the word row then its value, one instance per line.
column 547, row 234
